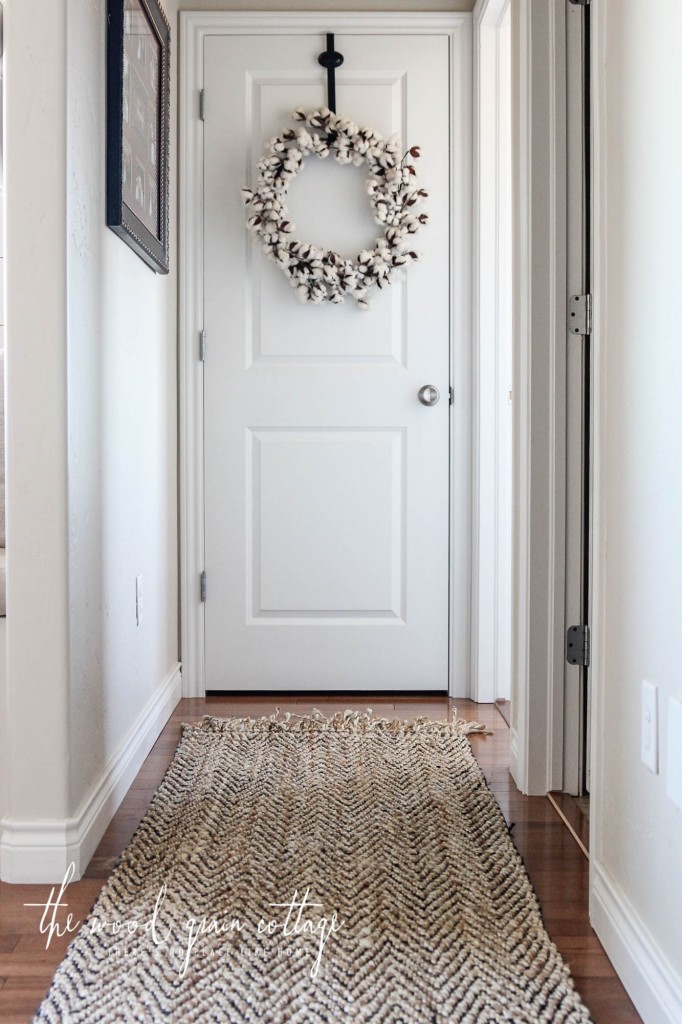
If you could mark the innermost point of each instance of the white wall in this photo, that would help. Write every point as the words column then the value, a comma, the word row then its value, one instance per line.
column 92, row 494
column 637, row 840
column 4, row 734
column 122, row 438
column 36, row 699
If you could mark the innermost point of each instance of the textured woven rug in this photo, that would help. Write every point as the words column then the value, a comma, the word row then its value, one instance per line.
column 318, row 870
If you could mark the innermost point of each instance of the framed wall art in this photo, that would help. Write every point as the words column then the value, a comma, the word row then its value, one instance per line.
column 138, row 94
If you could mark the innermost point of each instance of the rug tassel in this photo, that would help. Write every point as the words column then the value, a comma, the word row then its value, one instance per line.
column 352, row 720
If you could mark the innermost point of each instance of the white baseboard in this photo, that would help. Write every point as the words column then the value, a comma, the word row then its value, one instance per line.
column 41, row 851
column 650, row 980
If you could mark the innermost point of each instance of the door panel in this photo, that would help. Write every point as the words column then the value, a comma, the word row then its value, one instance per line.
column 326, row 480
column 348, row 491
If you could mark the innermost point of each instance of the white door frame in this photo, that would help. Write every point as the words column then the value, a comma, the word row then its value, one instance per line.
column 491, row 477
column 195, row 27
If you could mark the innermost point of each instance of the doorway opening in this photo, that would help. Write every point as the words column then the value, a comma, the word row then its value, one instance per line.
column 326, row 534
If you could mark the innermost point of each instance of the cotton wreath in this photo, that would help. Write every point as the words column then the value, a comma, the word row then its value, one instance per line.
column 322, row 275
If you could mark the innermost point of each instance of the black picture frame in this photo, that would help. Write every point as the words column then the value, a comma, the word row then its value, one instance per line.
column 138, row 127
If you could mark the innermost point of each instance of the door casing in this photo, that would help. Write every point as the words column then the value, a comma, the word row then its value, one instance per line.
column 195, row 27
column 492, row 373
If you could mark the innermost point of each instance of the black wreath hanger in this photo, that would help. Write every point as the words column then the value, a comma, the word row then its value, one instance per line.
column 331, row 59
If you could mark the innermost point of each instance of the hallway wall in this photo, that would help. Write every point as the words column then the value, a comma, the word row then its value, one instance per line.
column 92, row 454
column 121, row 381
column 35, row 697
column 637, row 896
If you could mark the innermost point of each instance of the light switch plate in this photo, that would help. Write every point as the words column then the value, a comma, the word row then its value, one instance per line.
column 674, row 759
column 138, row 600
column 650, row 726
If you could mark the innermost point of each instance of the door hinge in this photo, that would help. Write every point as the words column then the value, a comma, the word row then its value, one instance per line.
column 202, row 105
column 202, row 346
column 202, row 587
column 580, row 314
column 451, row 392
column 578, row 645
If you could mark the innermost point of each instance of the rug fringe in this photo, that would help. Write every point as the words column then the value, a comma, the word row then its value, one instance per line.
column 341, row 721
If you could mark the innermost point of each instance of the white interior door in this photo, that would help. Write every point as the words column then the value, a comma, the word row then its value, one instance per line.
column 576, row 690
column 326, row 480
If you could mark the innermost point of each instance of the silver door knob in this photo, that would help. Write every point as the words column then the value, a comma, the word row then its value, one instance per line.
column 429, row 394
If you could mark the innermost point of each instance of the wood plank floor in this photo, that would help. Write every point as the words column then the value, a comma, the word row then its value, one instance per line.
column 557, row 867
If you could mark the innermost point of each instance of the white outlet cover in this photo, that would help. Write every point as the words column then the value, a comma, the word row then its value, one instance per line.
column 674, row 759
column 650, row 726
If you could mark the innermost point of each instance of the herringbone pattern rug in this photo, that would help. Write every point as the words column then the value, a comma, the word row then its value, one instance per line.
column 264, row 830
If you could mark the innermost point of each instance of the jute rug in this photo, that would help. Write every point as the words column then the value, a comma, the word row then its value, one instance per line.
column 313, row 870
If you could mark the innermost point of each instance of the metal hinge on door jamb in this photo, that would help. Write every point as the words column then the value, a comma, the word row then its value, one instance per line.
column 202, row 105
column 578, row 645
column 202, row 587
column 580, row 314
column 202, row 346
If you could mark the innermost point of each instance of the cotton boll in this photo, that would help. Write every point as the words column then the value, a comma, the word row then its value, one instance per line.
column 320, row 147
column 304, row 139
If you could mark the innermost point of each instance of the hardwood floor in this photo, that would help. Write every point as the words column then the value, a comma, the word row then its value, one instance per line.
column 575, row 816
column 557, row 867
